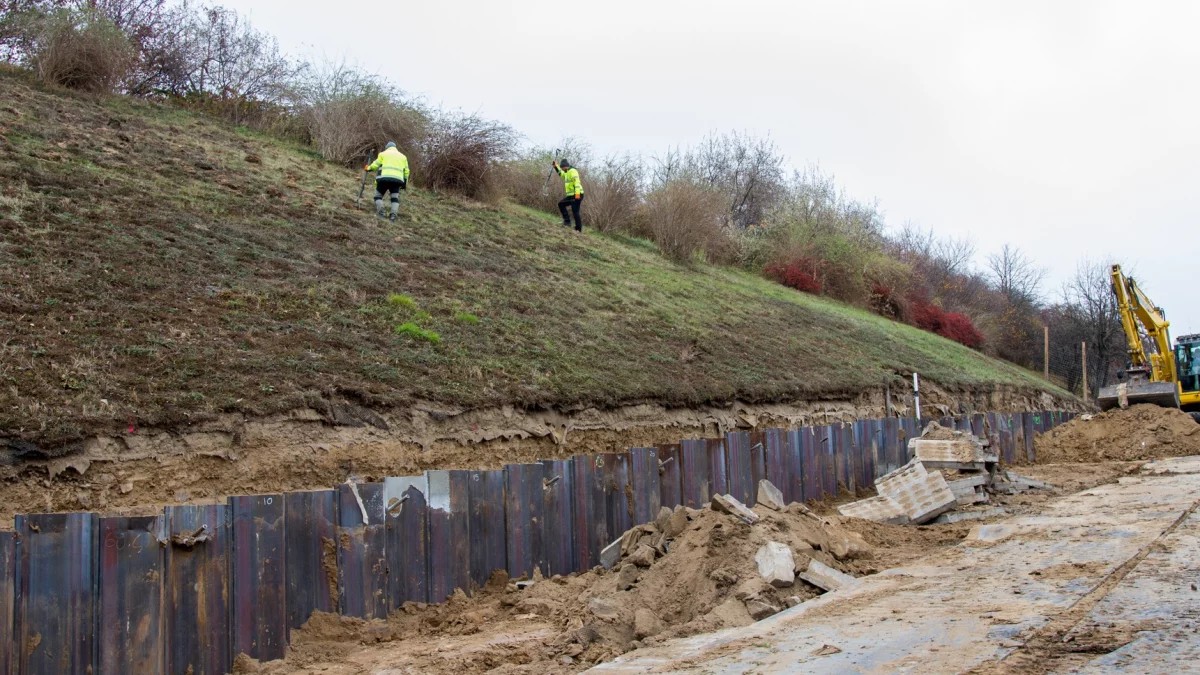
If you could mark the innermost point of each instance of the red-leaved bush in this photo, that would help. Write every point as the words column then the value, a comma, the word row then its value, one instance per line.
column 951, row 325
column 799, row 274
column 885, row 302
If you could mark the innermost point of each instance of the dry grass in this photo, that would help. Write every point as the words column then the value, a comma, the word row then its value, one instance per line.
column 81, row 50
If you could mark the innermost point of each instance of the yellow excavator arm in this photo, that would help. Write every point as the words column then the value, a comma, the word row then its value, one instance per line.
column 1137, row 310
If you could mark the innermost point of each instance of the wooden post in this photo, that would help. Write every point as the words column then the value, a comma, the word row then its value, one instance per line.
column 1046, row 353
column 1085, row 387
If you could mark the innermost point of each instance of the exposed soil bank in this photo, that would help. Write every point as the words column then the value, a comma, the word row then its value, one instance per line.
column 317, row 448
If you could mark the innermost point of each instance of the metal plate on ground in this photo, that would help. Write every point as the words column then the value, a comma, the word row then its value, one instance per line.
column 132, row 636
column 449, row 533
column 8, row 596
column 362, row 551
column 310, row 541
column 645, row 484
column 670, row 462
column 485, row 494
column 558, row 511
column 56, row 572
column 197, row 590
column 407, row 515
column 697, row 484
column 259, row 599
column 739, row 467
column 591, row 530
column 718, row 473
column 618, row 497
column 523, row 519
column 775, row 442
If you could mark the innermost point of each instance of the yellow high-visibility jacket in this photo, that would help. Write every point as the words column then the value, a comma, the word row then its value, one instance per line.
column 571, row 181
column 391, row 164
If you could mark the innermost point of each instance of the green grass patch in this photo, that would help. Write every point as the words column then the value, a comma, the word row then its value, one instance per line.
column 414, row 331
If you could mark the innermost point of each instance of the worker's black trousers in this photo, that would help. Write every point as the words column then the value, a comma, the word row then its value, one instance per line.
column 572, row 203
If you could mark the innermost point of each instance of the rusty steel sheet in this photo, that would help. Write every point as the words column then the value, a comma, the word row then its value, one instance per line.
column 859, row 448
column 449, row 533
column 613, row 471
column 758, row 459
column 892, row 451
column 978, row 425
column 311, row 552
column 258, row 611
column 591, row 527
column 56, row 602
column 523, row 519
column 558, row 511
column 841, row 460
column 644, row 484
column 846, row 450
column 718, row 472
column 910, row 427
column 803, row 467
column 739, row 467
column 362, row 551
column 8, row 597
column 407, row 547
column 775, row 444
column 670, row 475
column 872, row 442
column 485, row 499
column 827, row 447
column 197, row 589
column 1028, row 427
column 697, row 484
column 53, row 580
column 1004, row 434
column 132, row 563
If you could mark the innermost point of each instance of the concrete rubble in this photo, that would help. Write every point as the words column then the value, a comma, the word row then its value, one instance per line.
column 825, row 577
column 776, row 565
column 920, row 492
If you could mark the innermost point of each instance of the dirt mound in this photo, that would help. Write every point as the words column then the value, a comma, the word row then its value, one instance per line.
column 1139, row 432
column 691, row 572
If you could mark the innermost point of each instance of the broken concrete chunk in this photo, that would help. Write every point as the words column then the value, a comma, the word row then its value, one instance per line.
column 849, row 546
column 770, row 496
column 611, row 554
column 759, row 610
column 776, row 565
column 960, row 516
column 644, row 556
column 1017, row 479
column 646, row 623
column 664, row 515
column 967, row 450
column 626, row 577
column 603, row 609
column 792, row 600
column 825, row 577
column 751, row 589
column 963, row 486
column 677, row 523
column 728, row 504
column 923, row 495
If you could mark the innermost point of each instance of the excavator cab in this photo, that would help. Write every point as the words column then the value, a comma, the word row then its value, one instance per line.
column 1187, row 363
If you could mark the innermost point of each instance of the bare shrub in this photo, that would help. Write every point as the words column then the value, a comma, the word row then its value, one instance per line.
column 528, row 180
column 80, row 50
column 351, row 114
column 464, row 153
column 613, row 192
column 684, row 220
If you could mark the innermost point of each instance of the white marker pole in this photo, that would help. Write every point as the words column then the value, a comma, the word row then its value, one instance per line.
column 917, row 396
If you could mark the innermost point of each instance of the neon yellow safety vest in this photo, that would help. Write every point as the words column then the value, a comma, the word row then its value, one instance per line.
column 391, row 164
column 571, row 181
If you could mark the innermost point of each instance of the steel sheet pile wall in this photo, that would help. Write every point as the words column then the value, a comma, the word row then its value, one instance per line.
column 187, row 590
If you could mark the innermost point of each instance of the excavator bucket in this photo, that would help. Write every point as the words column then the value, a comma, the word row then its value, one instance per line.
column 1125, row 394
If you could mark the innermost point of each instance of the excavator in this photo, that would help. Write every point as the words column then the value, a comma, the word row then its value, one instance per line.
column 1157, row 373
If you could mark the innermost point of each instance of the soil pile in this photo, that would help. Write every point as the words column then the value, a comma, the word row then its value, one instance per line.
column 1139, row 432
column 692, row 571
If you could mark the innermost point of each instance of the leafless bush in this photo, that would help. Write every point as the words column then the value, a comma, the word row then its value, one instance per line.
column 80, row 50
column 613, row 192
column 351, row 114
column 684, row 220
column 528, row 180
column 463, row 154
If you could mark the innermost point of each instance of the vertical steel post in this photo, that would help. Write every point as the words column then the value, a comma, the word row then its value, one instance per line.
column 917, row 396
column 1085, row 387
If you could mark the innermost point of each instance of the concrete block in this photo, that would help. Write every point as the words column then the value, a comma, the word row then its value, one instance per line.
column 760, row 610
column 727, row 504
column 961, row 516
column 611, row 554
column 963, row 485
column 770, row 496
column 626, row 577
column 677, row 523
column 968, row 450
column 664, row 516
column 923, row 495
column 976, row 497
column 825, row 577
column 881, row 509
column 776, row 565
column 1027, row 482
column 644, row 556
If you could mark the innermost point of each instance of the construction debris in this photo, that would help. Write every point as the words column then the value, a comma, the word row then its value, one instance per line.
column 960, row 516
column 728, row 504
column 825, row 577
column 776, row 565
column 919, row 492
column 770, row 496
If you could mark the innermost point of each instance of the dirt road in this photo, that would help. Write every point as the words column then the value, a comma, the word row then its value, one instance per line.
column 1102, row 581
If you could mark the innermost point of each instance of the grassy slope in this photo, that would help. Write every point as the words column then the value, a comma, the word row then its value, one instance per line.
column 147, row 263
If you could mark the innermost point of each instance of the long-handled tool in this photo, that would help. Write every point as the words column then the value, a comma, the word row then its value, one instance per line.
column 363, row 188
column 546, row 183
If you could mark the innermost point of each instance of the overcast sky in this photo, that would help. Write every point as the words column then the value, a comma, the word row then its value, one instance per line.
column 1070, row 129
